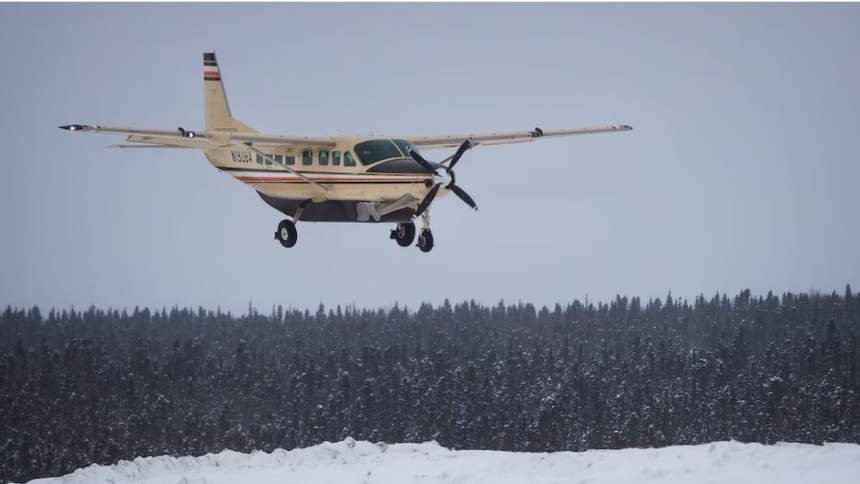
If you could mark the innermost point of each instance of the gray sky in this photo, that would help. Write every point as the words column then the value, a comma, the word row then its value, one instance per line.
column 742, row 170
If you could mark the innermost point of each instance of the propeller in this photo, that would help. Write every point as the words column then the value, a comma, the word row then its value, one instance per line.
column 446, row 174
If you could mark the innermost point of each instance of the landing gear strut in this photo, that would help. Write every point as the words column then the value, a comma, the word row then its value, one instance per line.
column 286, row 233
column 425, row 239
column 404, row 234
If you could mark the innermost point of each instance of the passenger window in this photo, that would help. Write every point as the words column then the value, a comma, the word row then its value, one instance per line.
column 307, row 157
column 323, row 157
column 335, row 158
column 347, row 159
column 291, row 160
column 264, row 159
column 279, row 159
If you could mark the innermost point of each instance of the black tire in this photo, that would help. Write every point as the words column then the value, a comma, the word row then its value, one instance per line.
column 425, row 241
column 287, row 234
column 404, row 234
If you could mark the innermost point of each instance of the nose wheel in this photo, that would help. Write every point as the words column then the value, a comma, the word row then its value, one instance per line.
column 286, row 233
column 425, row 240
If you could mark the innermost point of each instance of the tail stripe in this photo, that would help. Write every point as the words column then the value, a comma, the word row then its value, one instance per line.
column 210, row 68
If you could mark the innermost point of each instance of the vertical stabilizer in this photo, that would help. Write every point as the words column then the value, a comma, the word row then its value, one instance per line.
column 218, row 117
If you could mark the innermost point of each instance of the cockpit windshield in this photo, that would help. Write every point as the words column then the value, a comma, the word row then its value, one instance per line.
column 370, row 152
column 405, row 147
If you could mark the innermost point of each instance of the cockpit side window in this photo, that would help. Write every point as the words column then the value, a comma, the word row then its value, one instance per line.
column 370, row 152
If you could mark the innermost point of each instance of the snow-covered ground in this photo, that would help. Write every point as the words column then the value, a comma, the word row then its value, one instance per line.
column 364, row 462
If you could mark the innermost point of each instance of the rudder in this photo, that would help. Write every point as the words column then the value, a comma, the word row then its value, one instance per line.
column 218, row 116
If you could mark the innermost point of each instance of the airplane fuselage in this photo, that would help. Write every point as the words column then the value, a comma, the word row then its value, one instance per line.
column 356, row 188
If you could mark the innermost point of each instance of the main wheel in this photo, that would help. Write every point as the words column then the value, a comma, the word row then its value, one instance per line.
column 287, row 234
column 425, row 240
column 404, row 234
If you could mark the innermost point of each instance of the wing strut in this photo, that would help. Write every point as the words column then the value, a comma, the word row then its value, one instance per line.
column 294, row 172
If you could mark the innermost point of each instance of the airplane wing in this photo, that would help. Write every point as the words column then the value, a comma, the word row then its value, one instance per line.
column 178, row 133
column 501, row 137
column 182, row 138
column 150, row 138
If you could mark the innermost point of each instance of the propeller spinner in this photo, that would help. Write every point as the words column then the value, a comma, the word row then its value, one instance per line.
column 445, row 173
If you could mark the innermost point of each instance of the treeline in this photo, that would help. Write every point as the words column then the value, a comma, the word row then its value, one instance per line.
column 102, row 385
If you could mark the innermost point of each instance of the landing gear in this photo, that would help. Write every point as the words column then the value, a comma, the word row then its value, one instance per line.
column 404, row 234
column 425, row 240
column 287, row 234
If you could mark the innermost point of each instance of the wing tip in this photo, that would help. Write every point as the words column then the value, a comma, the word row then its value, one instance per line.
column 75, row 127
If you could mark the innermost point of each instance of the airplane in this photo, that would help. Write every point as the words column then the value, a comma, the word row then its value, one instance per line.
column 370, row 179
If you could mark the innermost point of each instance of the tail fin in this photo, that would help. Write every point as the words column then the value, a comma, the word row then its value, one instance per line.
column 218, row 117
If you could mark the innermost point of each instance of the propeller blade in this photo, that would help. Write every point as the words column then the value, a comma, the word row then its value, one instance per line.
column 427, row 200
column 421, row 161
column 463, row 196
column 462, row 149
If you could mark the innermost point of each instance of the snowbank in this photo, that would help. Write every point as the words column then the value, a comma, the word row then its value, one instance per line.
column 363, row 462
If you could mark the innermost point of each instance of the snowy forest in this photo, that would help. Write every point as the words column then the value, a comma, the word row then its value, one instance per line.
column 97, row 386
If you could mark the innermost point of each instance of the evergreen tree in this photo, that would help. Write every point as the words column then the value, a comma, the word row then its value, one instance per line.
column 101, row 385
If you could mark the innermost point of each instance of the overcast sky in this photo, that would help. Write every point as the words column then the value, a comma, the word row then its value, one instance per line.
column 742, row 170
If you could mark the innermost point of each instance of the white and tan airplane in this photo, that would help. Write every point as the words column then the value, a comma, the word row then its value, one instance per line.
column 330, row 178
